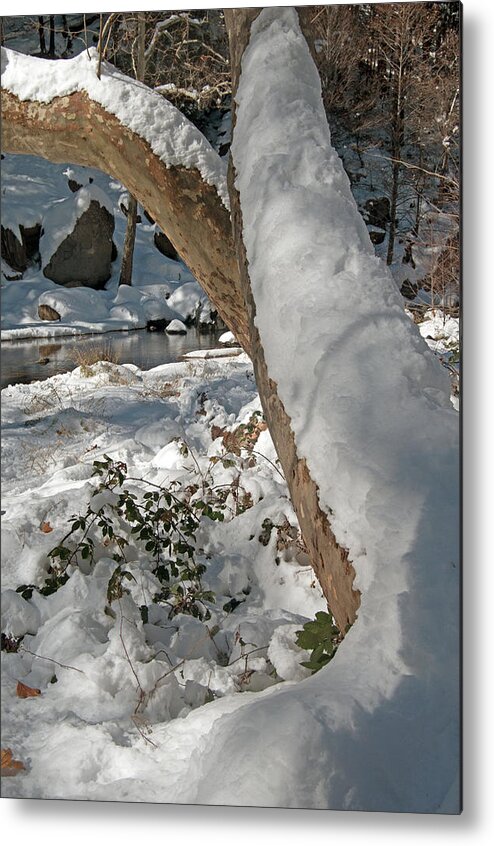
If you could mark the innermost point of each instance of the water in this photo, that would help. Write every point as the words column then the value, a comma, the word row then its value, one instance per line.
column 35, row 360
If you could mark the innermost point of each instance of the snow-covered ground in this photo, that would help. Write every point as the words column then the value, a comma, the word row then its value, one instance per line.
column 125, row 706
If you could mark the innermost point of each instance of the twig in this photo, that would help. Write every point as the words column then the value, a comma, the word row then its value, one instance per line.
column 410, row 166
column 42, row 657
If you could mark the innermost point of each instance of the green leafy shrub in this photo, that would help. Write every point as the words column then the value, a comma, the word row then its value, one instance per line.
column 322, row 638
column 126, row 513
column 161, row 522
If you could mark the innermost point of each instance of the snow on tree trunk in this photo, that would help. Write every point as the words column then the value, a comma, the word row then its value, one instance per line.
column 60, row 111
column 372, row 423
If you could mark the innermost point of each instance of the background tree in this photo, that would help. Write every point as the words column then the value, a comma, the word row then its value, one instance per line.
column 390, row 77
column 346, row 57
column 185, row 55
column 130, row 231
column 401, row 30
column 156, row 47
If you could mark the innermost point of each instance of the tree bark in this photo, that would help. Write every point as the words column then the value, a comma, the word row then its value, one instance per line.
column 395, row 178
column 329, row 560
column 76, row 129
column 51, row 49
column 129, row 243
column 41, row 34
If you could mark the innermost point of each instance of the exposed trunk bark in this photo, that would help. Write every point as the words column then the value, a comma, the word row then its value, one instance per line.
column 78, row 130
column 329, row 560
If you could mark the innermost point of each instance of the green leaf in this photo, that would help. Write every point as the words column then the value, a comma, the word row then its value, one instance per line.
column 129, row 576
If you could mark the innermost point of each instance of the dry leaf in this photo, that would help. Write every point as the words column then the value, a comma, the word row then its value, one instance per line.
column 45, row 527
column 9, row 766
column 231, row 442
column 24, row 692
column 216, row 431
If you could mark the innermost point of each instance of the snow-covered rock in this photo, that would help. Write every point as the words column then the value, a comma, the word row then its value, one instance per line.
column 176, row 327
column 76, row 247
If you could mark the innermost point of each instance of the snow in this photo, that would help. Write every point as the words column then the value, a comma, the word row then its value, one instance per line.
column 82, row 310
column 172, row 137
column 188, row 299
column 26, row 195
column 214, row 353
column 441, row 331
column 95, row 732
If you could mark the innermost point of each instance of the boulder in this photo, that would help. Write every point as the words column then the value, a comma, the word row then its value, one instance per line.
column 46, row 312
column 84, row 256
column 13, row 251
column 158, row 325
column 377, row 235
column 227, row 339
column 19, row 254
column 377, row 212
column 165, row 246
column 409, row 289
column 77, row 177
column 30, row 239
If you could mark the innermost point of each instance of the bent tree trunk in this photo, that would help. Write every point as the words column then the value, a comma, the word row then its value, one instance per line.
column 78, row 130
column 329, row 560
column 74, row 128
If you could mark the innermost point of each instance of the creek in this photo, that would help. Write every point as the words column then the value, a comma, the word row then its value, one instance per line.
column 36, row 359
